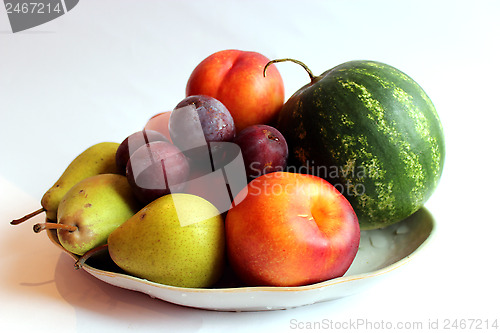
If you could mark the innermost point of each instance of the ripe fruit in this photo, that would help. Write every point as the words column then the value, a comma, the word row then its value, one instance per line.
column 290, row 230
column 236, row 79
column 156, row 169
column 94, row 208
column 132, row 143
column 219, row 180
column 372, row 132
column 159, row 122
column 176, row 240
column 95, row 160
column 215, row 120
column 264, row 150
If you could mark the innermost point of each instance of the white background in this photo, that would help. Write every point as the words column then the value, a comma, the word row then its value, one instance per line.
column 99, row 72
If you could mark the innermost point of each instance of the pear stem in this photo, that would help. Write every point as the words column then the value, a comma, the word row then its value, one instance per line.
column 309, row 72
column 50, row 225
column 79, row 263
column 27, row 217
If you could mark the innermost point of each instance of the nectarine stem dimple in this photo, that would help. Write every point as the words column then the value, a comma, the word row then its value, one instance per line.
column 309, row 72
column 27, row 217
column 306, row 216
column 49, row 225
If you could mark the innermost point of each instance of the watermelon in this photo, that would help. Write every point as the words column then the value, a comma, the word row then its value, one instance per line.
column 371, row 131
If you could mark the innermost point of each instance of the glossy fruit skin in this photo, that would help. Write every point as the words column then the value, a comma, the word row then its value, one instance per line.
column 214, row 118
column 290, row 229
column 375, row 133
column 96, row 205
column 132, row 143
column 264, row 150
column 157, row 169
column 176, row 240
column 236, row 79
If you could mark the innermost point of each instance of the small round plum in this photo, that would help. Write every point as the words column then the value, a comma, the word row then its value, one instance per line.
column 264, row 150
column 132, row 143
column 156, row 169
column 199, row 111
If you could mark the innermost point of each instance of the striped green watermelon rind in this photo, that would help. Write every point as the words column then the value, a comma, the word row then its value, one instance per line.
column 371, row 131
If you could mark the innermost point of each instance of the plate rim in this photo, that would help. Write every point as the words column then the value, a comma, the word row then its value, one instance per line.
column 245, row 289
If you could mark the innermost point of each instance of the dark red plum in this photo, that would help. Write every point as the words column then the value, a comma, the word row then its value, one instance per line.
column 198, row 120
column 156, row 169
column 264, row 150
column 132, row 143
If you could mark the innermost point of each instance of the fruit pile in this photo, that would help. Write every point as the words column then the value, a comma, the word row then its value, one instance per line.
column 281, row 190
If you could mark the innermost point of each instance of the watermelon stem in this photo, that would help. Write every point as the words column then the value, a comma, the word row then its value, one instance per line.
column 309, row 72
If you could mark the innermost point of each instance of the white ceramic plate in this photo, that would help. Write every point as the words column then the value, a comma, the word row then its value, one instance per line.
column 380, row 252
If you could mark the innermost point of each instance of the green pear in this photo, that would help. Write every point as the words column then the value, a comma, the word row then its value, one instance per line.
column 94, row 208
column 95, row 160
column 176, row 240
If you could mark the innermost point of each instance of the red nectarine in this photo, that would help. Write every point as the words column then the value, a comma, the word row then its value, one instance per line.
column 290, row 230
column 236, row 79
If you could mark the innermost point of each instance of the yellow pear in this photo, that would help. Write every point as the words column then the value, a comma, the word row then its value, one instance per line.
column 97, row 159
column 91, row 210
column 176, row 240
